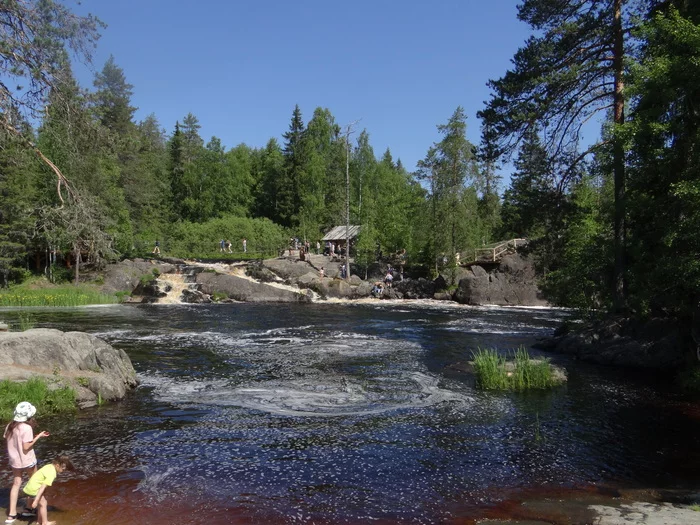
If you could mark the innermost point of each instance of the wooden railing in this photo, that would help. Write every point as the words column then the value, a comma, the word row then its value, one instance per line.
column 493, row 252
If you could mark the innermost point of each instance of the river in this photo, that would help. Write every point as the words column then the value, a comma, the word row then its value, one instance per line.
column 352, row 413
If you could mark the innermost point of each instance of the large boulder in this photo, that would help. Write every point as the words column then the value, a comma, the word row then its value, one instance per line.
column 512, row 283
column 288, row 269
column 328, row 287
column 416, row 288
column 241, row 289
column 84, row 362
column 126, row 275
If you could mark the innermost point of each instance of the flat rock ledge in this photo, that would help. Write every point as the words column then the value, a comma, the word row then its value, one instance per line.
column 659, row 344
column 93, row 368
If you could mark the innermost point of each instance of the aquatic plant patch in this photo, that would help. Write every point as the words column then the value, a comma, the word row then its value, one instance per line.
column 520, row 372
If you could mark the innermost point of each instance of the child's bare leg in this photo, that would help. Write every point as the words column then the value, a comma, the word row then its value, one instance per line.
column 14, row 491
column 43, row 512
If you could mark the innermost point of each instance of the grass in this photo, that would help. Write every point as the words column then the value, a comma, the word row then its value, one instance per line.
column 46, row 399
column 696, row 508
column 38, row 293
column 495, row 372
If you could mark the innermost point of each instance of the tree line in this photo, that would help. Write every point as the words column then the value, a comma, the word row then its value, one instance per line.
column 613, row 223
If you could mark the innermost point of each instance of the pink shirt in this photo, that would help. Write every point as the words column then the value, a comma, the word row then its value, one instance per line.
column 22, row 433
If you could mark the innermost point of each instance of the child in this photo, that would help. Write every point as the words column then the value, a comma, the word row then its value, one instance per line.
column 20, row 440
column 42, row 478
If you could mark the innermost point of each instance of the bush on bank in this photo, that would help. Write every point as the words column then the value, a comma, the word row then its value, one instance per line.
column 188, row 239
column 47, row 400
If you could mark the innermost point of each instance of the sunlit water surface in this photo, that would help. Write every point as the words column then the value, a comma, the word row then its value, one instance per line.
column 348, row 413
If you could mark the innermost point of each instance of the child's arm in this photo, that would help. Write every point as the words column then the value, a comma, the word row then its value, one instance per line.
column 38, row 496
column 27, row 446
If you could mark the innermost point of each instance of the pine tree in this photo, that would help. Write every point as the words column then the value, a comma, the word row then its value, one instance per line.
column 561, row 78
column 289, row 187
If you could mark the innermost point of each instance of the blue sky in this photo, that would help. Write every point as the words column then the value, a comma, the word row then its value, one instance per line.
column 402, row 67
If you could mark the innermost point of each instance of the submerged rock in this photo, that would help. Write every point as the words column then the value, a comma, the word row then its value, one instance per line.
column 85, row 363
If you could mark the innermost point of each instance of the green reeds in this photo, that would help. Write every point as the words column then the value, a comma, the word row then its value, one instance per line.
column 37, row 392
column 496, row 372
column 66, row 295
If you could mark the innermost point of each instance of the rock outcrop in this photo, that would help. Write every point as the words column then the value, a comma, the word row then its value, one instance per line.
column 241, row 289
column 512, row 283
column 656, row 343
column 126, row 275
column 87, row 364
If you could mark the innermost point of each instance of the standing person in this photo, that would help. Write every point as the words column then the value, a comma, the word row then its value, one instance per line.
column 245, row 245
column 42, row 478
column 157, row 248
column 20, row 441
column 318, row 247
column 322, row 272
column 222, row 245
column 228, row 246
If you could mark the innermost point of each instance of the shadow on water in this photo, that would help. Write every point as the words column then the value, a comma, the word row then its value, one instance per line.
column 351, row 414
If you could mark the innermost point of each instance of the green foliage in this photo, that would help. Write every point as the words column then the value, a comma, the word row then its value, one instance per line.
column 62, row 295
column 493, row 372
column 450, row 168
column 26, row 321
column 219, row 296
column 37, row 391
column 264, row 237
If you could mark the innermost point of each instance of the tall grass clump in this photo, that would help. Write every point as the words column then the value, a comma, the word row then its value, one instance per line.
column 62, row 295
column 496, row 372
column 37, row 392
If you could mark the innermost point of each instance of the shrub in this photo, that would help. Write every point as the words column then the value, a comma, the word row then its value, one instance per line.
column 37, row 392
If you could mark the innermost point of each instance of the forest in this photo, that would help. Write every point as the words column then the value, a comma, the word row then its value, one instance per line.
column 612, row 226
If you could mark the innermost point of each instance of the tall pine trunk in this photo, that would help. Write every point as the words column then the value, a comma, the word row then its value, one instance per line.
column 619, row 281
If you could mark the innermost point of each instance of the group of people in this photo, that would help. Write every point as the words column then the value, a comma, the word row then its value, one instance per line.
column 20, row 440
column 333, row 249
column 225, row 245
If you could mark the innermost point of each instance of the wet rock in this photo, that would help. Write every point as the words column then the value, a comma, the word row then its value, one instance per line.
column 287, row 269
column 416, row 288
column 82, row 361
column 126, row 275
column 641, row 513
column 195, row 297
column 260, row 273
column 652, row 343
column 241, row 289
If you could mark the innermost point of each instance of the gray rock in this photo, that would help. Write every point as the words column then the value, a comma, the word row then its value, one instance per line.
column 241, row 289
column 512, row 282
column 332, row 288
column 73, row 358
column 126, row 275
column 288, row 269
column 642, row 513
column 364, row 289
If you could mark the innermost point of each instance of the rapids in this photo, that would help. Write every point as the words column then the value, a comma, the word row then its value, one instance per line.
column 349, row 413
